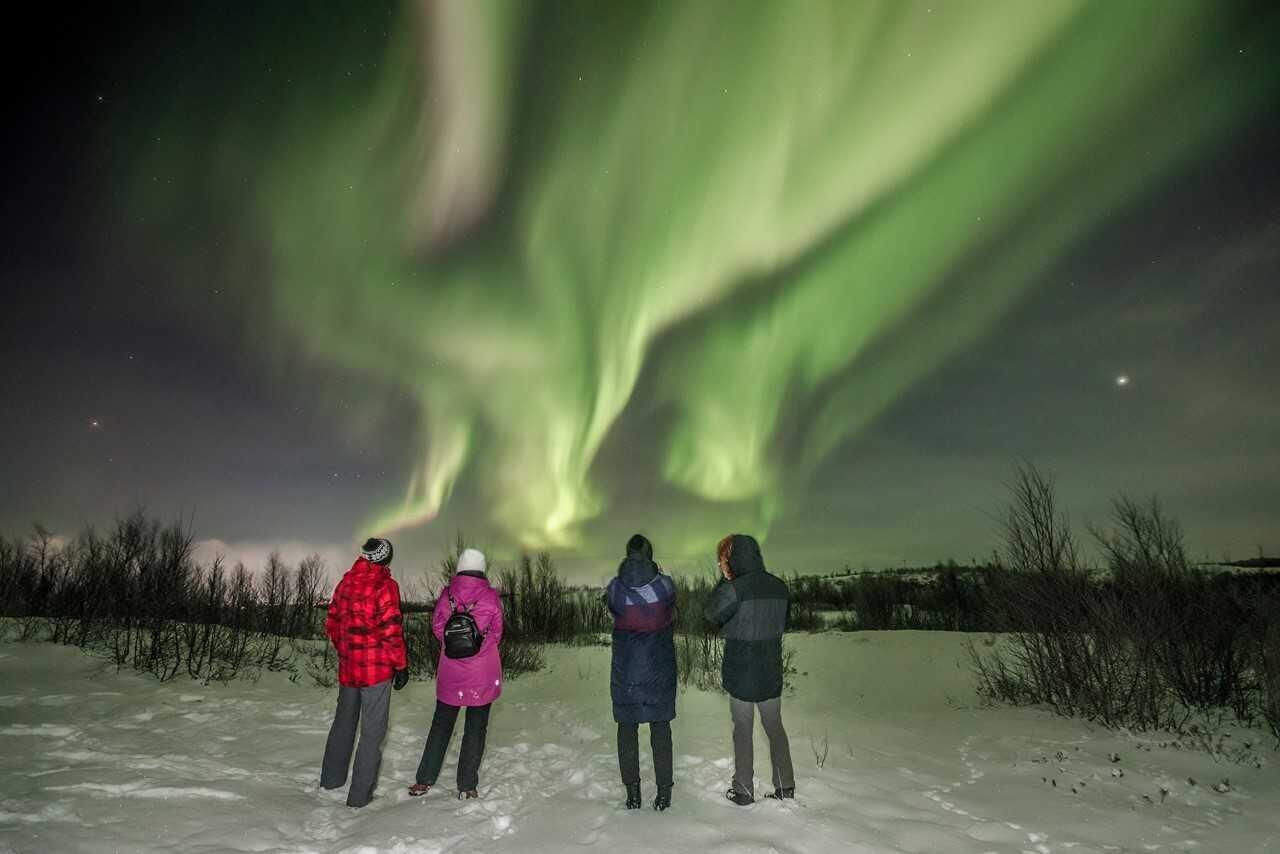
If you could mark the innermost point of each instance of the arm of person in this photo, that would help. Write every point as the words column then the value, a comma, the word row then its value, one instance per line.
column 388, row 625
column 440, row 615
column 333, row 619
column 610, row 594
column 724, row 603
column 669, row 598
column 493, row 633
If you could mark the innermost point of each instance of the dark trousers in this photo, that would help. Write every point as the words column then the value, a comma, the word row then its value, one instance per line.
column 473, row 733
column 367, row 707
column 743, row 714
column 629, row 752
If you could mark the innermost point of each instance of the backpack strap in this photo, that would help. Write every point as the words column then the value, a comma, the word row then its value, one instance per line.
column 467, row 609
column 453, row 606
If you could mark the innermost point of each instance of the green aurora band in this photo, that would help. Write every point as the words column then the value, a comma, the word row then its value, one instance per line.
column 775, row 217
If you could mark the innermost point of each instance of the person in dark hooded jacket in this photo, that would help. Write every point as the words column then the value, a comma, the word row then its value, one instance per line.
column 642, row 679
column 751, row 605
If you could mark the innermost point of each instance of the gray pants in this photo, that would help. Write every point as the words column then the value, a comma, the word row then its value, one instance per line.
column 743, row 713
column 368, row 707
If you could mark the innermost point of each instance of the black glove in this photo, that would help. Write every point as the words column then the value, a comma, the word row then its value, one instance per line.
column 401, row 679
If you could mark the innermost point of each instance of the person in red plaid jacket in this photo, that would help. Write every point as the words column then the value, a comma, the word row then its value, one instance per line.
column 366, row 628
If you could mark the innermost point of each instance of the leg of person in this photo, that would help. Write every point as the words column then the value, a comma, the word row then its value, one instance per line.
column 743, row 714
column 473, row 732
column 629, row 762
column 375, row 704
column 784, row 778
column 437, row 743
column 342, row 738
column 629, row 753
column 660, row 743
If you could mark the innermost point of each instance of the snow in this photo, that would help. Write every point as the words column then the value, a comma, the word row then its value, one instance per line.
column 95, row 760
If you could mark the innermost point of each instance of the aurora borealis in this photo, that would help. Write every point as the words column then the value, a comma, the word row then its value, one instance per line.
column 570, row 269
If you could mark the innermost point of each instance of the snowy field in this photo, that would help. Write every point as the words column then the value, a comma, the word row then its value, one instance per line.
column 94, row 760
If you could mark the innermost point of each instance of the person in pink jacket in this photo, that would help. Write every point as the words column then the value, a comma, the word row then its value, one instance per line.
column 473, row 682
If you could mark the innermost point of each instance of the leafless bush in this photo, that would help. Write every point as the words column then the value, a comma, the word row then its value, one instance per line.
column 1146, row 647
column 820, row 750
column 699, row 658
column 320, row 663
column 1268, row 666
column 136, row 596
column 520, row 657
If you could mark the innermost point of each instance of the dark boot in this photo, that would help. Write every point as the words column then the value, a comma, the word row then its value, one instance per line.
column 782, row 794
column 663, row 801
column 740, row 798
column 467, row 794
column 633, row 796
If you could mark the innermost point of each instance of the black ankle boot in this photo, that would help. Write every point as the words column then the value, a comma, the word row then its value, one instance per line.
column 663, row 801
column 633, row 796
column 783, row 794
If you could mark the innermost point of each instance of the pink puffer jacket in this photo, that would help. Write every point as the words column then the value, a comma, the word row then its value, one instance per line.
column 474, row 681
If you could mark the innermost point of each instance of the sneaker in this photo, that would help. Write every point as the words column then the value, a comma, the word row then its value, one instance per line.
column 417, row 790
column 739, row 798
column 467, row 794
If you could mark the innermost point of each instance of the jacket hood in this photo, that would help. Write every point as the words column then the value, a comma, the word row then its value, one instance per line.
column 745, row 558
column 364, row 567
column 637, row 570
column 466, row 584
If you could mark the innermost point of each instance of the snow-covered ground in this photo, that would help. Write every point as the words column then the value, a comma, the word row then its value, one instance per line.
column 94, row 760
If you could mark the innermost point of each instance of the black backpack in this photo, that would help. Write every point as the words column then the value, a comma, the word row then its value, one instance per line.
column 462, row 636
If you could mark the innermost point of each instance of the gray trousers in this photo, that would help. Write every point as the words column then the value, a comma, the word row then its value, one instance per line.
column 369, row 708
column 743, row 713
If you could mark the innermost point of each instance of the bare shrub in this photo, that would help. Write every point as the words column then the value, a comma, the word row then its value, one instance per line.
column 699, row 658
column 1072, row 645
column 136, row 596
column 1149, row 645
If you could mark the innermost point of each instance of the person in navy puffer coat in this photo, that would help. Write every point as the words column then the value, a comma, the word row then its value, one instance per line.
column 642, row 680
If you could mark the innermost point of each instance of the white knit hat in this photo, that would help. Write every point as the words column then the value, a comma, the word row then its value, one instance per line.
column 471, row 560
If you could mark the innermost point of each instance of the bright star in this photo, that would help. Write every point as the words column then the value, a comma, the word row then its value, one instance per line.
column 1122, row 380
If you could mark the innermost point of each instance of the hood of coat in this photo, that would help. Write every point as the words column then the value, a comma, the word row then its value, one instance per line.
column 364, row 569
column 637, row 570
column 745, row 557
column 468, row 585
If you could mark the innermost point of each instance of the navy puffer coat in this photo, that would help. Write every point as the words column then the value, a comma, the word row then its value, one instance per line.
column 642, row 680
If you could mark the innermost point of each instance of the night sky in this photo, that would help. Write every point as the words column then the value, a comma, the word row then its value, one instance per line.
column 551, row 273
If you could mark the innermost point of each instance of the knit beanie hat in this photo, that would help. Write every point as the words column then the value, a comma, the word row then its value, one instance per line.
column 471, row 560
column 376, row 550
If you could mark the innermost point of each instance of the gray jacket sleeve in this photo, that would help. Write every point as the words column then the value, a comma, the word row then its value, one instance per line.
column 724, row 603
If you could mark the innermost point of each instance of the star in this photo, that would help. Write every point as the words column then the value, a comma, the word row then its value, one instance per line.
column 95, row 424
column 1122, row 380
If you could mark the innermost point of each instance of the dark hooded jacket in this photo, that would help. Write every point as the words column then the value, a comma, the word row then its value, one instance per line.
column 642, row 680
column 752, row 608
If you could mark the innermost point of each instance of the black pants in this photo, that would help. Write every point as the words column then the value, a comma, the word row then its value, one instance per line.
column 473, row 732
column 629, row 752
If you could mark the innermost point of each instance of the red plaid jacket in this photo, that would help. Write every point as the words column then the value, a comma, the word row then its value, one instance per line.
column 365, row 626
